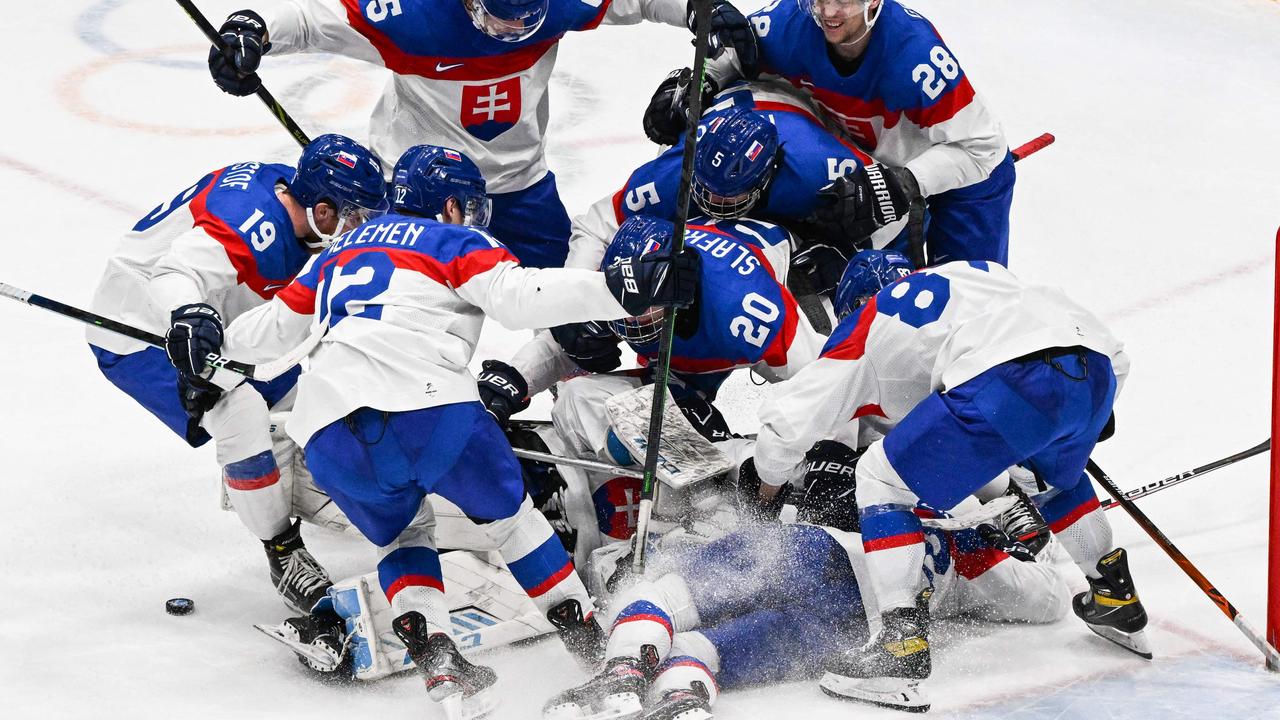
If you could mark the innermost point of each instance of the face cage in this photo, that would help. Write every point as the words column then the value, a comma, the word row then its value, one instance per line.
column 722, row 208
column 640, row 329
column 489, row 24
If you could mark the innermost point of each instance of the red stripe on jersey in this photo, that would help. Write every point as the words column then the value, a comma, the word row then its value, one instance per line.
column 599, row 18
column 454, row 273
column 971, row 564
column 545, row 586
column 257, row 483
column 855, row 345
column 413, row 581
column 953, row 101
column 1070, row 518
column 299, row 298
column 617, row 203
column 893, row 541
column 866, row 410
column 445, row 68
column 233, row 245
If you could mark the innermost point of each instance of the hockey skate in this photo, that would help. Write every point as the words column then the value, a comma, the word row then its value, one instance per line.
column 582, row 637
column 887, row 670
column 681, row 704
column 1111, row 607
column 617, row 693
column 1024, row 523
column 463, row 690
column 298, row 578
column 319, row 641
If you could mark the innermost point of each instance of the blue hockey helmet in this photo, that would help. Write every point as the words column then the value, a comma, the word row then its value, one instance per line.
column 734, row 162
column 426, row 176
column 337, row 170
column 866, row 274
column 638, row 235
column 508, row 20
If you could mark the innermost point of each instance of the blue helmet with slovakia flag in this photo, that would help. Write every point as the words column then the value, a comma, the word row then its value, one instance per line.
column 337, row 170
column 426, row 176
column 734, row 162
column 638, row 235
column 867, row 274
column 508, row 20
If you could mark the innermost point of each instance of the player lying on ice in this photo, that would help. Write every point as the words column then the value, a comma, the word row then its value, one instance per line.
column 388, row 413
column 774, row 601
column 225, row 245
column 966, row 371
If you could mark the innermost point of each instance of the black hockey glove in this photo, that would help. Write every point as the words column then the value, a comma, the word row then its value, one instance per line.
column 235, row 69
column 730, row 29
column 591, row 345
column 822, row 265
column 998, row 539
column 197, row 395
column 666, row 118
column 704, row 417
column 854, row 206
column 657, row 278
column 503, row 390
column 747, row 493
column 830, row 490
column 195, row 331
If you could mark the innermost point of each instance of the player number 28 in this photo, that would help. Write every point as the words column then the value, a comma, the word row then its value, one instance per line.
column 928, row 79
column 757, row 307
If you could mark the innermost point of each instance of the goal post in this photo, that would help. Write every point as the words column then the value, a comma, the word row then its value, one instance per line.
column 1273, row 533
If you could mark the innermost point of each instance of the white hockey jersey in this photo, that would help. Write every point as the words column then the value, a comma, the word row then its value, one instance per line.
column 403, row 300
column 226, row 241
column 452, row 84
column 926, row 333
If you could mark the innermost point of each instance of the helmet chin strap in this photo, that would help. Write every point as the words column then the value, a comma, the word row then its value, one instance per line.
column 868, row 22
column 322, row 240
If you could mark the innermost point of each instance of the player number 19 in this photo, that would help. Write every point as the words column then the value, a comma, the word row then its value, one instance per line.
column 262, row 238
column 760, row 308
column 928, row 79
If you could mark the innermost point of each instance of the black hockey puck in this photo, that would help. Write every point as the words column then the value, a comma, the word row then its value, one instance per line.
column 180, row 606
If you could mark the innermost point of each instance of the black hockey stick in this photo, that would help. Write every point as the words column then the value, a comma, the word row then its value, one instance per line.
column 266, row 97
column 702, row 29
column 1255, row 637
column 264, row 372
column 1186, row 475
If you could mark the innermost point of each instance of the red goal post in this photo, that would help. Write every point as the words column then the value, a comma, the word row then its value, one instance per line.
column 1273, row 544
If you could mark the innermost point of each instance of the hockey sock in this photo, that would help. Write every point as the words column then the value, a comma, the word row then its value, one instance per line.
column 253, row 486
column 1077, row 520
column 679, row 672
column 412, row 579
column 652, row 613
column 537, row 559
column 893, row 539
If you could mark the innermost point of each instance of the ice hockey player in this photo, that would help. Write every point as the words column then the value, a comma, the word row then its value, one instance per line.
column 772, row 602
column 762, row 153
column 470, row 74
column 388, row 412
column 881, row 71
column 227, row 244
column 967, row 371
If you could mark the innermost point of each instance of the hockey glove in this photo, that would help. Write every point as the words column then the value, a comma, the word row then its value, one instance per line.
column 657, row 278
column 234, row 69
column 666, row 118
column 591, row 345
column 856, row 205
column 1013, row 547
column 830, row 490
column 822, row 265
column 195, row 331
column 729, row 29
column 704, row 417
column 747, row 491
column 503, row 390
column 197, row 395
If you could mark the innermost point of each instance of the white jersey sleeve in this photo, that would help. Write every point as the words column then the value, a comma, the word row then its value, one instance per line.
column 630, row 12
column 541, row 362
column 532, row 298
column 317, row 26
column 273, row 329
column 591, row 233
column 194, row 268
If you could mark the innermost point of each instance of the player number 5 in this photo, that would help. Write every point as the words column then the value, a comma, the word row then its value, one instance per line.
column 379, row 9
column 928, row 79
column 760, row 308
column 646, row 194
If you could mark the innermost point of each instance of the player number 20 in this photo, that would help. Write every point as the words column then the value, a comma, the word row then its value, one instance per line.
column 758, row 308
column 928, row 79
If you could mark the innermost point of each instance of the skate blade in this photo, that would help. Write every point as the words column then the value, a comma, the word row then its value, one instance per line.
column 896, row 693
column 1135, row 643
column 622, row 706
column 314, row 656
column 457, row 706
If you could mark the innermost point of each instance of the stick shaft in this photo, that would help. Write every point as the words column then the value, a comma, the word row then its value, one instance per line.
column 1155, row 487
column 575, row 462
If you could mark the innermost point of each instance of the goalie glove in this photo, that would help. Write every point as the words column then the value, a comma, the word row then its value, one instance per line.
column 592, row 346
column 234, row 69
column 503, row 390
column 705, row 418
column 666, row 117
column 856, row 205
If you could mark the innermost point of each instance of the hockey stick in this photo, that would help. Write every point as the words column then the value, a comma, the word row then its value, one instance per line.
column 266, row 97
column 264, row 372
column 702, row 28
column 1033, row 146
column 1255, row 637
column 574, row 462
column 1186, row 475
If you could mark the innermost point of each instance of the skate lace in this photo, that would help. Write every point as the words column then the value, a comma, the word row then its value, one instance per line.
column 1020, row 519
column 302, row 573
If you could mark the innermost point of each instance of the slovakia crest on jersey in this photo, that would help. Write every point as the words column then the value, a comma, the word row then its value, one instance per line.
column 492, row 109
column 617, row 507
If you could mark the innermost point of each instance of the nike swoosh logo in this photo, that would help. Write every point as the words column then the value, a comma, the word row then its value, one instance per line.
column 441, row 67
column 273, row 287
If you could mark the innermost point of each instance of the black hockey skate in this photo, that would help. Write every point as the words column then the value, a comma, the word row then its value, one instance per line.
column 887, row 670
column 617, row 693
column 582, row 637
column 1111, row 608
column 1024, row 523
column 319, row 641
column 681, row 704
column 298, row 578
column 464, row 690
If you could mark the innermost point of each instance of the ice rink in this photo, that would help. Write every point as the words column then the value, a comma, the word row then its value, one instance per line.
column 1157, row 207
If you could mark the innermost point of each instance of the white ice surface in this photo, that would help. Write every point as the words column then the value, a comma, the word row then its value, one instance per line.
column 1157, row 207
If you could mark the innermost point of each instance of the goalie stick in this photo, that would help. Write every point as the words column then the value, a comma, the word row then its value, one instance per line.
column 1182, row 561
column 1186, row 475
column 266, row 97
column 263, row 372
column 702, row 29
